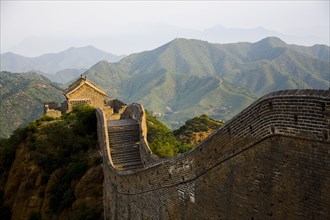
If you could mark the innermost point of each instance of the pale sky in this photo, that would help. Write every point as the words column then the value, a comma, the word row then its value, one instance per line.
column 34, row 27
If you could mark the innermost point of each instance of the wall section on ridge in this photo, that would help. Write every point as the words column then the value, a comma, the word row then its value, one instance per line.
column 271, row 160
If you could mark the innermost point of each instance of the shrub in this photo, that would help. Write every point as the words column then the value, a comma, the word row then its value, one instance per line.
column 87, row 119
column 8, row 149
column 5, row 212
column 34, row 216
column 86, row 213
column 44, row 118
column 62, row 195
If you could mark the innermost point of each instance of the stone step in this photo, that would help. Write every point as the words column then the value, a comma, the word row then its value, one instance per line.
column 130, row 166
column 128, row 147
column 133, row 144
column 112, row 131
column 122, row 144
column 124, row 161
column 119, row 133
column 122, row 141
column 124, row 136
column 125, row 129
column 122, row 122
column 125, row 151
column 125, row 155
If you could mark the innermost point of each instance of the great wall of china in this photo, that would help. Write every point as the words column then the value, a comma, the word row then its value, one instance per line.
column 270, row 161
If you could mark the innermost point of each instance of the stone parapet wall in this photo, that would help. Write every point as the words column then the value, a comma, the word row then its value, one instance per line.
column 280, row 177
column 271, row 160
column 102, row 135
column 53, row 113
column 136, row 112
column 53, row 109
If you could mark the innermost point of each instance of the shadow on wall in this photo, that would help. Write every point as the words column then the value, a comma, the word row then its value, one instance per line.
column 271, row 160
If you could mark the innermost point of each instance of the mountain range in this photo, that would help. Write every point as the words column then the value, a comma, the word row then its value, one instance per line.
column 184, row 78
column 51, row 63
column 142, row 37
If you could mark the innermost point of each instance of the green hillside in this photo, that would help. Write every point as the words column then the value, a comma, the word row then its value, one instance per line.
column 185, row 78
column 22, row 98
column 55, row 163
column 197, row 129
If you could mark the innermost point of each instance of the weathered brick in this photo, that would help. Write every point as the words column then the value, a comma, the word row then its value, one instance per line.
column 280, row 170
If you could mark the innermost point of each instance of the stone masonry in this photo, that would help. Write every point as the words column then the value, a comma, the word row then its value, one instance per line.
column 270, row 161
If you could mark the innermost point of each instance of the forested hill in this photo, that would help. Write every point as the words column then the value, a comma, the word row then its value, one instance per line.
column 55, row 165
column 185, row 78
column 22, row 98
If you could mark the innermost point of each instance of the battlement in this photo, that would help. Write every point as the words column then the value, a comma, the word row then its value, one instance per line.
column 269, row 160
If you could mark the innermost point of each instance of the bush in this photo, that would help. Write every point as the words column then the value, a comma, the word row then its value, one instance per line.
column 8, row 149
column 86, row 213
column 160, row 138
column 5, row 212
column 55, row 144
column 35, row 216
column 87, row 119
column 62, row 195
column 44, row 118
column 49, row 162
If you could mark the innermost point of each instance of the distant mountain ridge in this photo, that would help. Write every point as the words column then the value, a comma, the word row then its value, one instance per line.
column 185, row 78
column 65, row 76
column 72, row 58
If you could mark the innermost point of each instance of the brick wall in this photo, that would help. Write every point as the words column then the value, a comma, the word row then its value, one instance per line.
column 270, row 161
column 87, row 94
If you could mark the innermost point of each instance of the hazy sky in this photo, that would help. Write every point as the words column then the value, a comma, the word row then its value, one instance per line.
column 34, row 27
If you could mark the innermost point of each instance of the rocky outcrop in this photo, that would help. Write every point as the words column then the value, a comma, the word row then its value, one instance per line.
column 28, row 189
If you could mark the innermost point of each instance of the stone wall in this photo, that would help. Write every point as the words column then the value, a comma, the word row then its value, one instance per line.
column 52, row 109
column 270, row 161
column 136, row 111
column 53, row 113
column 102, row 135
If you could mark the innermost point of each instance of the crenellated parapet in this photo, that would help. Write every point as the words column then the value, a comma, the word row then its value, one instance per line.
column 272, row 159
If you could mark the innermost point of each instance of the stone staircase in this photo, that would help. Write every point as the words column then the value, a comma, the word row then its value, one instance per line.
column 124, row 137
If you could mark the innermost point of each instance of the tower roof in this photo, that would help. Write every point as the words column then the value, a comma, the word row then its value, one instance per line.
column 80, row 82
